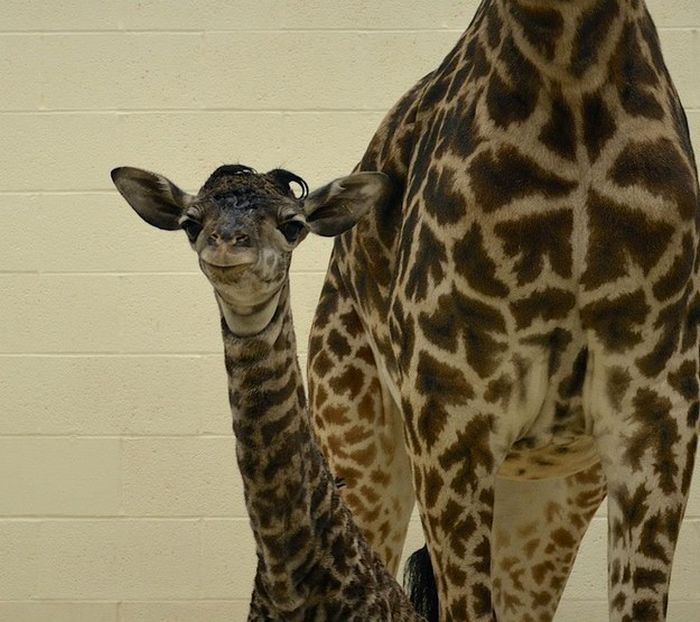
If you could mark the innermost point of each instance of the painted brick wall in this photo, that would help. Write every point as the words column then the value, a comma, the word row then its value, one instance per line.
column 119, row 496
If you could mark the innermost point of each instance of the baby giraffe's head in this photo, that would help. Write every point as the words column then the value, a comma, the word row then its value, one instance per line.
column 244, row 226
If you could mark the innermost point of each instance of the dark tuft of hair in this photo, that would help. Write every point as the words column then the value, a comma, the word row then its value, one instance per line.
column 284, row 179
column 227, row 170
column 419, row 584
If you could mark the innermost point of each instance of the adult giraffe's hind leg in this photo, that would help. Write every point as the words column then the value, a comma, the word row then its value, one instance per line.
column 358, row 424
column 537, row 529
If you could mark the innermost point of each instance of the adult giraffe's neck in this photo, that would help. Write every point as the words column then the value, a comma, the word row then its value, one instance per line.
column 572, row 41
column 289, row 492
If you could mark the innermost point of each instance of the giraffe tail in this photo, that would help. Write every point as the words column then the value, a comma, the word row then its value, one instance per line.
column 419, row 583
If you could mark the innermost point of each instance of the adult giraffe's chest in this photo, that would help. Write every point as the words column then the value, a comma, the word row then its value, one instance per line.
column 536, row 212
column 514, row 241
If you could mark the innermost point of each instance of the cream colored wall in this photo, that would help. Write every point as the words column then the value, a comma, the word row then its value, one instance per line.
column 119, row 497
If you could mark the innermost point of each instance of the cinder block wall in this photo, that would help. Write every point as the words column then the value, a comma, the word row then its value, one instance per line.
column 119, row 495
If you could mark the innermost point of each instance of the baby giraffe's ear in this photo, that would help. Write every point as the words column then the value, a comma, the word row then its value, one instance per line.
column 337, row 206
column 156, row 199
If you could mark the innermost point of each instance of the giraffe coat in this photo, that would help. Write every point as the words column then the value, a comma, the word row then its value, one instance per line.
column 520, row 322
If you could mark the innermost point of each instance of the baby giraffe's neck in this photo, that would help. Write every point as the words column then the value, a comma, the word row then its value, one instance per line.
column 290, row 495
column 313, row 562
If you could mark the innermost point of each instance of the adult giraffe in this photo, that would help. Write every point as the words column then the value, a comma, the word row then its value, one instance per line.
column 515, row 335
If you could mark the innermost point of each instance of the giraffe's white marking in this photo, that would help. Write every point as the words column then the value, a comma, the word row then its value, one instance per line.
column 249, row 324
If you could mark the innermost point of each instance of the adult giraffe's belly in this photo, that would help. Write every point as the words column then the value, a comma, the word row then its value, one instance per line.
column 545, row 413
column 556, row 458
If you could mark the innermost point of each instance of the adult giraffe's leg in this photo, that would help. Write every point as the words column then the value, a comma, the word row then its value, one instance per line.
column 455, row 495
column 358, row 424
column 646, row 432
column 457, row 441
column 538, row 526
column 536, row 531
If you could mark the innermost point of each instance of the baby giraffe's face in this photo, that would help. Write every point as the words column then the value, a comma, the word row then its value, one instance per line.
column 245, row 225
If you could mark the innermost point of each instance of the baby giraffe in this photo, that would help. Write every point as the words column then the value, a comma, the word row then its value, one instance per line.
column 313, row 563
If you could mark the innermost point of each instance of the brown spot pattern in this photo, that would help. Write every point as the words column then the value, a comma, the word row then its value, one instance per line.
column 441, row 199
column 658, row 167
column 619, row 234
column 535, row 238
column 669, row 324
column 598, row 124
column 497, row 179
column 443, row 385
column 541, row 26
column 653, row 412
column 615, row 320
column 473, row 262
column 679, row 273
column 634, row 77
column 618, row 382
column 549, row 304
column 471, row 450
column 559, row 133
column 430, row 259
column 512, row 99
column 457, row 315
column 592, row 29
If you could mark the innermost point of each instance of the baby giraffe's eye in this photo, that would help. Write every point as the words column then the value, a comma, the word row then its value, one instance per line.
column 192, row 228
column 291, row 230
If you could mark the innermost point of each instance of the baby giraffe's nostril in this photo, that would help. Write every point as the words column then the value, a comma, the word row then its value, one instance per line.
column 234, row 238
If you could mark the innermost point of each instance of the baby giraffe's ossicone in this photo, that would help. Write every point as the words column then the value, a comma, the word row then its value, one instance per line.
column 313, row 562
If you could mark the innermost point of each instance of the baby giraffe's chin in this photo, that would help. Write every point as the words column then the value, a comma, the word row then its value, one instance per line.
column 245, row 288
column 243, row 319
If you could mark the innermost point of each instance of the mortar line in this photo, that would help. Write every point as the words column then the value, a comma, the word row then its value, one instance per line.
column 291, row 30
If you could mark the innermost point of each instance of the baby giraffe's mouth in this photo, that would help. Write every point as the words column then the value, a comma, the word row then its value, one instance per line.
column 230, row 259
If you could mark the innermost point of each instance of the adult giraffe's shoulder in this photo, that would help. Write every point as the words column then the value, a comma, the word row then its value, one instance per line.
column 514, row 335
